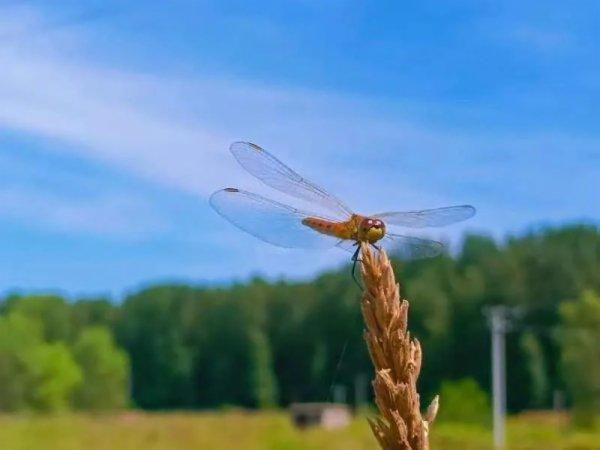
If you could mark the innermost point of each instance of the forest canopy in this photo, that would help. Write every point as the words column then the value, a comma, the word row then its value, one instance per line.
column 261, row 344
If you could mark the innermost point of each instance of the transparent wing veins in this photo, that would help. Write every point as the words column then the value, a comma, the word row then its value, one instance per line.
column 267, row 168
column 410, row 247
column 437, row 217
column 268, row 220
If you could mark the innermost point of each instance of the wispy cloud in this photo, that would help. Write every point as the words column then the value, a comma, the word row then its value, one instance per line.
column 170, row 131
column 52, row 99
column 174, row 131
column 94, row 144
column 111, row 216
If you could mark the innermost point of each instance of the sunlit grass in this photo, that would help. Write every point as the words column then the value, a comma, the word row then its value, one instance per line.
column 258, row 431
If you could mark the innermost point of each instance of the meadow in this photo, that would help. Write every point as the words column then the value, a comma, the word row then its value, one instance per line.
column 241, row 430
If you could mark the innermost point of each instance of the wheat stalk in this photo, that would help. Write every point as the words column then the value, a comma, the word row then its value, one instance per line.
column 396, row 358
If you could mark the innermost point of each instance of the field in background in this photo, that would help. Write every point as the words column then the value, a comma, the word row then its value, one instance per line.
column 259, row 431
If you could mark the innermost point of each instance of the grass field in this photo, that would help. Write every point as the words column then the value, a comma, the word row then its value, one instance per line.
column 259, row 431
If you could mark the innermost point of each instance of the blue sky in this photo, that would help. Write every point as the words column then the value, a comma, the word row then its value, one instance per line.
column 115, row 120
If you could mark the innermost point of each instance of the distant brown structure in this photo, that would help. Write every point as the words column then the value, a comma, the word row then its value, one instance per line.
column 326, row 415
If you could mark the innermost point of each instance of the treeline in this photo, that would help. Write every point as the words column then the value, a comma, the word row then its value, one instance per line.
column 263, row 344
column 54, row 358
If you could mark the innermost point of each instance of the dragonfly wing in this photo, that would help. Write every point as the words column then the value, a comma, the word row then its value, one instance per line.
column 438, row 217
column 347, row 245
column 277, row 175
column 408, row 247
column 268, row 220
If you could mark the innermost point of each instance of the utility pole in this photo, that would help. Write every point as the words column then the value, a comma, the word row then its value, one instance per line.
column 498, row 319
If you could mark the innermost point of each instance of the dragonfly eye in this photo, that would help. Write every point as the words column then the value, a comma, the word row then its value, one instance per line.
column 367, row 224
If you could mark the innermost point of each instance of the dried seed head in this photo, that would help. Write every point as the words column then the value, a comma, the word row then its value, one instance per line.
column 396, row 358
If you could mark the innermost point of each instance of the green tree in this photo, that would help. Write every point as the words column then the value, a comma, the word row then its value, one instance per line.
column 51, row 311
column 93, row 312
column 52, row 377
column 536, row 365
column 580, row 357
column 33, row 374
column 464, row 401
column 105, row 370
column 224, row 352
column 264, row 384
column 152, row 328
column 19, row 337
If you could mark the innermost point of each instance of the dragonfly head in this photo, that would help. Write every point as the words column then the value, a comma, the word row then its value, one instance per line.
column 371, row 230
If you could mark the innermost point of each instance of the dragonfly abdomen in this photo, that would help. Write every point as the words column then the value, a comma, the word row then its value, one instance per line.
column 336, row 229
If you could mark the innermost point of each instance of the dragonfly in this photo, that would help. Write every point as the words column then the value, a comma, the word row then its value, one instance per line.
column 335, row 225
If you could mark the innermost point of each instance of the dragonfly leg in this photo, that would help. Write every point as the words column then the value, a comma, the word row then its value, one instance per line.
column 355, row 258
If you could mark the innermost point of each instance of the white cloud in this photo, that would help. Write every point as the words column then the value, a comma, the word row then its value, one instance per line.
column 171, row 131
column 115, row 216
column 52, row 99
column 175, row 131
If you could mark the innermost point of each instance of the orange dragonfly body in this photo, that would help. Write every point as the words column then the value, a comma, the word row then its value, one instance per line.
column 357, row 228
column 286, row 226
